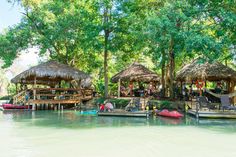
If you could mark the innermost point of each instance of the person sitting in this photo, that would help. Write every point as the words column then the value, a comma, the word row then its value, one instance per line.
column 131, row 86
column 218, row 88
column 141, row 90
column 123, row 91
column 150, row 89
column 27, row 95
column 102, row 108
column 108, row 106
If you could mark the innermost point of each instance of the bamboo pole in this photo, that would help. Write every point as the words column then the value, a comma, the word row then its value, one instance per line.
column 59, row 106
column 34, row 94
column 228, row 86
column 119, row 88
column 34, row 90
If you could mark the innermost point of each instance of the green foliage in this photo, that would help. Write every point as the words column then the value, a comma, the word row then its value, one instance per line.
column 14, row 40
column 160, row 105
column 11, row 89
column 165, row 105
column 119, row 103
column 99, row 87
column 79, row 33
column 8, row 97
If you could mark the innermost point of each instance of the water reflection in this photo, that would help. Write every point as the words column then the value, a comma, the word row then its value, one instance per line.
column 74, row 120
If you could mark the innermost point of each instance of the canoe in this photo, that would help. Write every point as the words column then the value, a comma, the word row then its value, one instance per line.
column 171, row 114
column 11, row 106
column 89, row 112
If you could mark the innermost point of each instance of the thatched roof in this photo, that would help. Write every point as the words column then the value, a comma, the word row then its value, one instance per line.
column 214, row 71
column 136, row 72
column 50, row 72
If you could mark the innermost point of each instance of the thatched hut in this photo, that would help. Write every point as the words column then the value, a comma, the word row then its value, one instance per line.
column 135, row 73
column 207, row 71
column 49, row 73
column 214, row 71
column 52, row 73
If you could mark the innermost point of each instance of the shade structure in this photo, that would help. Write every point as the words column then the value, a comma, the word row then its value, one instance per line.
column 50, row 73
column 136, row 72
column 211, row 71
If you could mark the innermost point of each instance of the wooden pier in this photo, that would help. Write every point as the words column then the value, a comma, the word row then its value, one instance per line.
column 213, row 114
column 126, row 114
column 47, row 97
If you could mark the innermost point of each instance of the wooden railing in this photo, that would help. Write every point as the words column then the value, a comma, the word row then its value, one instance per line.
column 53, row 94
column 20, row 97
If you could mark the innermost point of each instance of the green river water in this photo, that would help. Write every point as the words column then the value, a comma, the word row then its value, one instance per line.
column 71, row 134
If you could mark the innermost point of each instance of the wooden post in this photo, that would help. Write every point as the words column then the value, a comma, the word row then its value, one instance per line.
column 119, row 88
column 33, row 107
column 34, row 94
column 197, row 110
column 228, row 86
column 34, row 90
column 75, row 106
column 55, row 107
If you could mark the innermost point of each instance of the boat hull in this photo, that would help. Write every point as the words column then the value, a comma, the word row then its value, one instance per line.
column 171, row 114
column 17, row 107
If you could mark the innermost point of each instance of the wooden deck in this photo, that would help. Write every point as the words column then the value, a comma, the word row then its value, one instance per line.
column 125, row 114
column 54, row 101
column 213, row 114
column 53, row 96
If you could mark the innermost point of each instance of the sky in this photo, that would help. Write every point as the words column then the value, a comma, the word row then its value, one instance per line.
column 9, row 14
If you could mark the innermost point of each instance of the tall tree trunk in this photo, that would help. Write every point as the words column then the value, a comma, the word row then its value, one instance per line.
column 163, row 64
column 105, row 64
column 106, row 35
column 171, row 68
column 67, row 53
column 163, row 78
column 167, row 78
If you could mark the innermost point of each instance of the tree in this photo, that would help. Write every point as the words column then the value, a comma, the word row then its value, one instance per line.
column 184, row 27
column 114, row 33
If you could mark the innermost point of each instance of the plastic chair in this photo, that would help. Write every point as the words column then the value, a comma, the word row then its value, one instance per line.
column 204, row 103
column 225, row 103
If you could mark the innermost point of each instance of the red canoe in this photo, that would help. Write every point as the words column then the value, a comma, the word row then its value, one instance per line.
column 172, row 114
column 11, row 106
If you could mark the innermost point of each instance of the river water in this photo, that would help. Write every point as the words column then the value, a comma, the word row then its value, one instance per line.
column 71, row 134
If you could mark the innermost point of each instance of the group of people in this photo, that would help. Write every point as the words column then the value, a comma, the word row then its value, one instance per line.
column 189, row 92
column 107, row 106
column 141, row 90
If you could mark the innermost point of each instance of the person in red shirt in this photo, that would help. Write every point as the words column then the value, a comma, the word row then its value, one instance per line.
column 102, row 108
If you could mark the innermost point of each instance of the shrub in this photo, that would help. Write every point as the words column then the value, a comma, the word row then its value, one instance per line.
column 119, row 103
column 6, row 97
column 166, row 105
